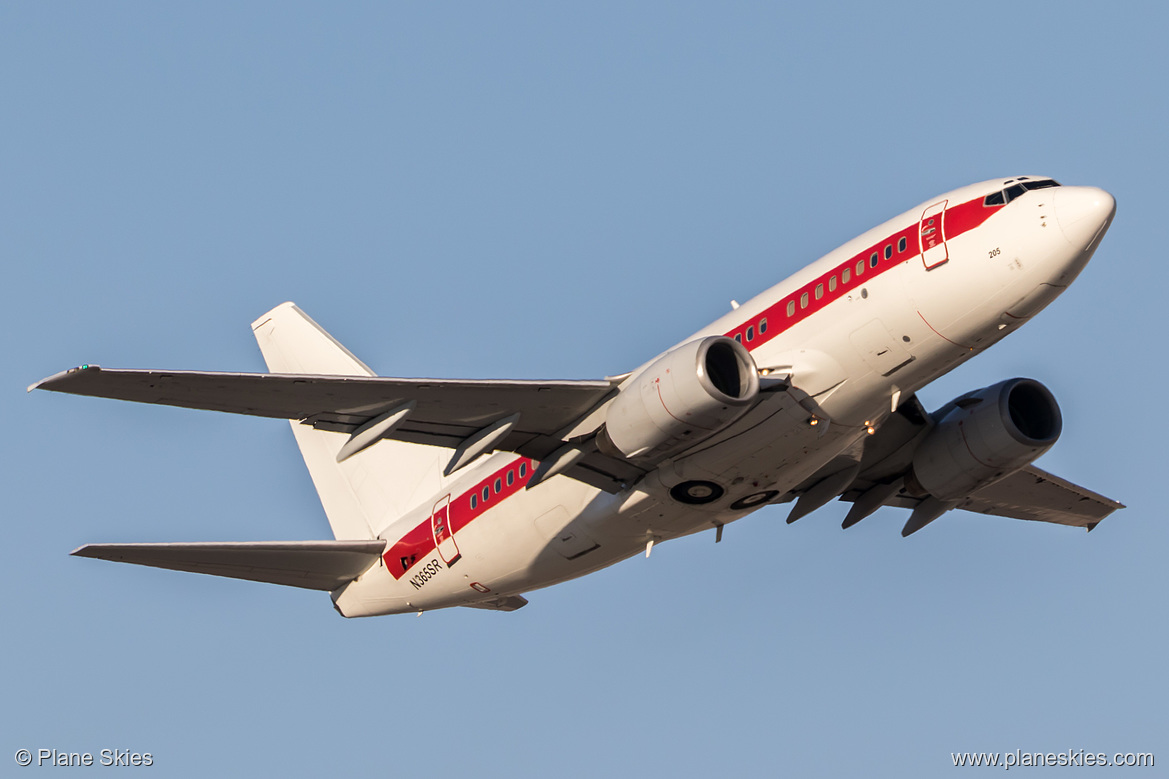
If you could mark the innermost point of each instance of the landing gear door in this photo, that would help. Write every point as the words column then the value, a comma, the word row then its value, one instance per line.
column 932, row 236
column 444, row 537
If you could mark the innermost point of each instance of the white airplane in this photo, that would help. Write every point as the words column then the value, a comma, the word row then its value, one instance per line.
column 470, row 492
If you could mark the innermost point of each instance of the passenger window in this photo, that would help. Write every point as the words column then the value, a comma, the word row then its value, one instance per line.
column 486, row 493
column 901, row 245
column 819, row 291
column 750, row 333
column 498, row 486
column 510, row 478
column 474, row 501
column 845, row 276
column 739, row 337
column 762, row 326
column 888, row 251
column 860, row 267
column 523, row 470
column 873, row 260
column 791, row 308
column 832, row 284
column 804, row 300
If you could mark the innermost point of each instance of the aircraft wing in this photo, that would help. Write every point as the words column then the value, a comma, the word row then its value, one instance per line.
column 313, row 565
column 1030, row 493
column 1034, row 494
column 446, row 412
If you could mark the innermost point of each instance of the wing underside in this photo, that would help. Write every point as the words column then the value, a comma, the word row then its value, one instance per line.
column 1029, row 493
column 1037, row 495
column 445, row 412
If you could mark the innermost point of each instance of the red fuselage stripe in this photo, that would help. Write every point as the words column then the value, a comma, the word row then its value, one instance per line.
column 958, row 220
column 418, row 543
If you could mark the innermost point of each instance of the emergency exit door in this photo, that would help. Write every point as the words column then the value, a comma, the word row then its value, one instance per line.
column 444, row 536
column 932, row 236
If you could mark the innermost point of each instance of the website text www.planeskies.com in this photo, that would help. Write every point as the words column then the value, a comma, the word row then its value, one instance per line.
column 1070, row 757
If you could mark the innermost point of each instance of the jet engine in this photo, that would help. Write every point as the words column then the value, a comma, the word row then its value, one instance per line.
column 685, row 395
column 983, row 436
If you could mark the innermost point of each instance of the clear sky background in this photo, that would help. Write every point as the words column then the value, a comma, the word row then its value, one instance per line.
column 551, row 191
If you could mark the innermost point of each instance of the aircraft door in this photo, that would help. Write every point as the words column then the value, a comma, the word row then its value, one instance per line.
column 932, row 236
column 444, row 537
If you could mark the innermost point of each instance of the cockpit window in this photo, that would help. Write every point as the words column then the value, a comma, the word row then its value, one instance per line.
column 1010, row 193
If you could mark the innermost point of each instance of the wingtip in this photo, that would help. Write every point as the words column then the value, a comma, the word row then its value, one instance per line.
column 56, row 377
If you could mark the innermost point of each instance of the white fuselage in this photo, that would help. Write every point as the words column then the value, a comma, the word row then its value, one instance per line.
column 869, row 323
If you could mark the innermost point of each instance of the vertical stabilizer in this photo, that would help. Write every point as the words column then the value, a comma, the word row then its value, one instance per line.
column 368, row 491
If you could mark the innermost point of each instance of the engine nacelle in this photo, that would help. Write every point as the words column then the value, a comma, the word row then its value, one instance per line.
column 984, row 436
column 684, row 396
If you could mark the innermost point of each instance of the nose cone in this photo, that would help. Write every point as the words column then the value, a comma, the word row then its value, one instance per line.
column 1083, row 213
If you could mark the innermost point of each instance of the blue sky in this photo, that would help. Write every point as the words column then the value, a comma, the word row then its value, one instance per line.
column 538, row 190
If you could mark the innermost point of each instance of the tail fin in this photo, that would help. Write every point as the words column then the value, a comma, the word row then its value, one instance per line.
column 364, row 493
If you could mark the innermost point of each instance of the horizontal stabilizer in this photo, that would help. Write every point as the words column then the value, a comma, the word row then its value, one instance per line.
column 506, row 603
column 313, row 565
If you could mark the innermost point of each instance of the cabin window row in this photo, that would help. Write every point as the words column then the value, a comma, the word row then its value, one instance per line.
column 902, row 245
column 486, row 493
column 750, row 332
column 845, row 277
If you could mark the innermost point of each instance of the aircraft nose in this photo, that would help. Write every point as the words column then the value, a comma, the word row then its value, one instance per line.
column 1083, row 213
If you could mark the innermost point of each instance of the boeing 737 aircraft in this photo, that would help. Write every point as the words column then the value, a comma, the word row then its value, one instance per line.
column 470, row 492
